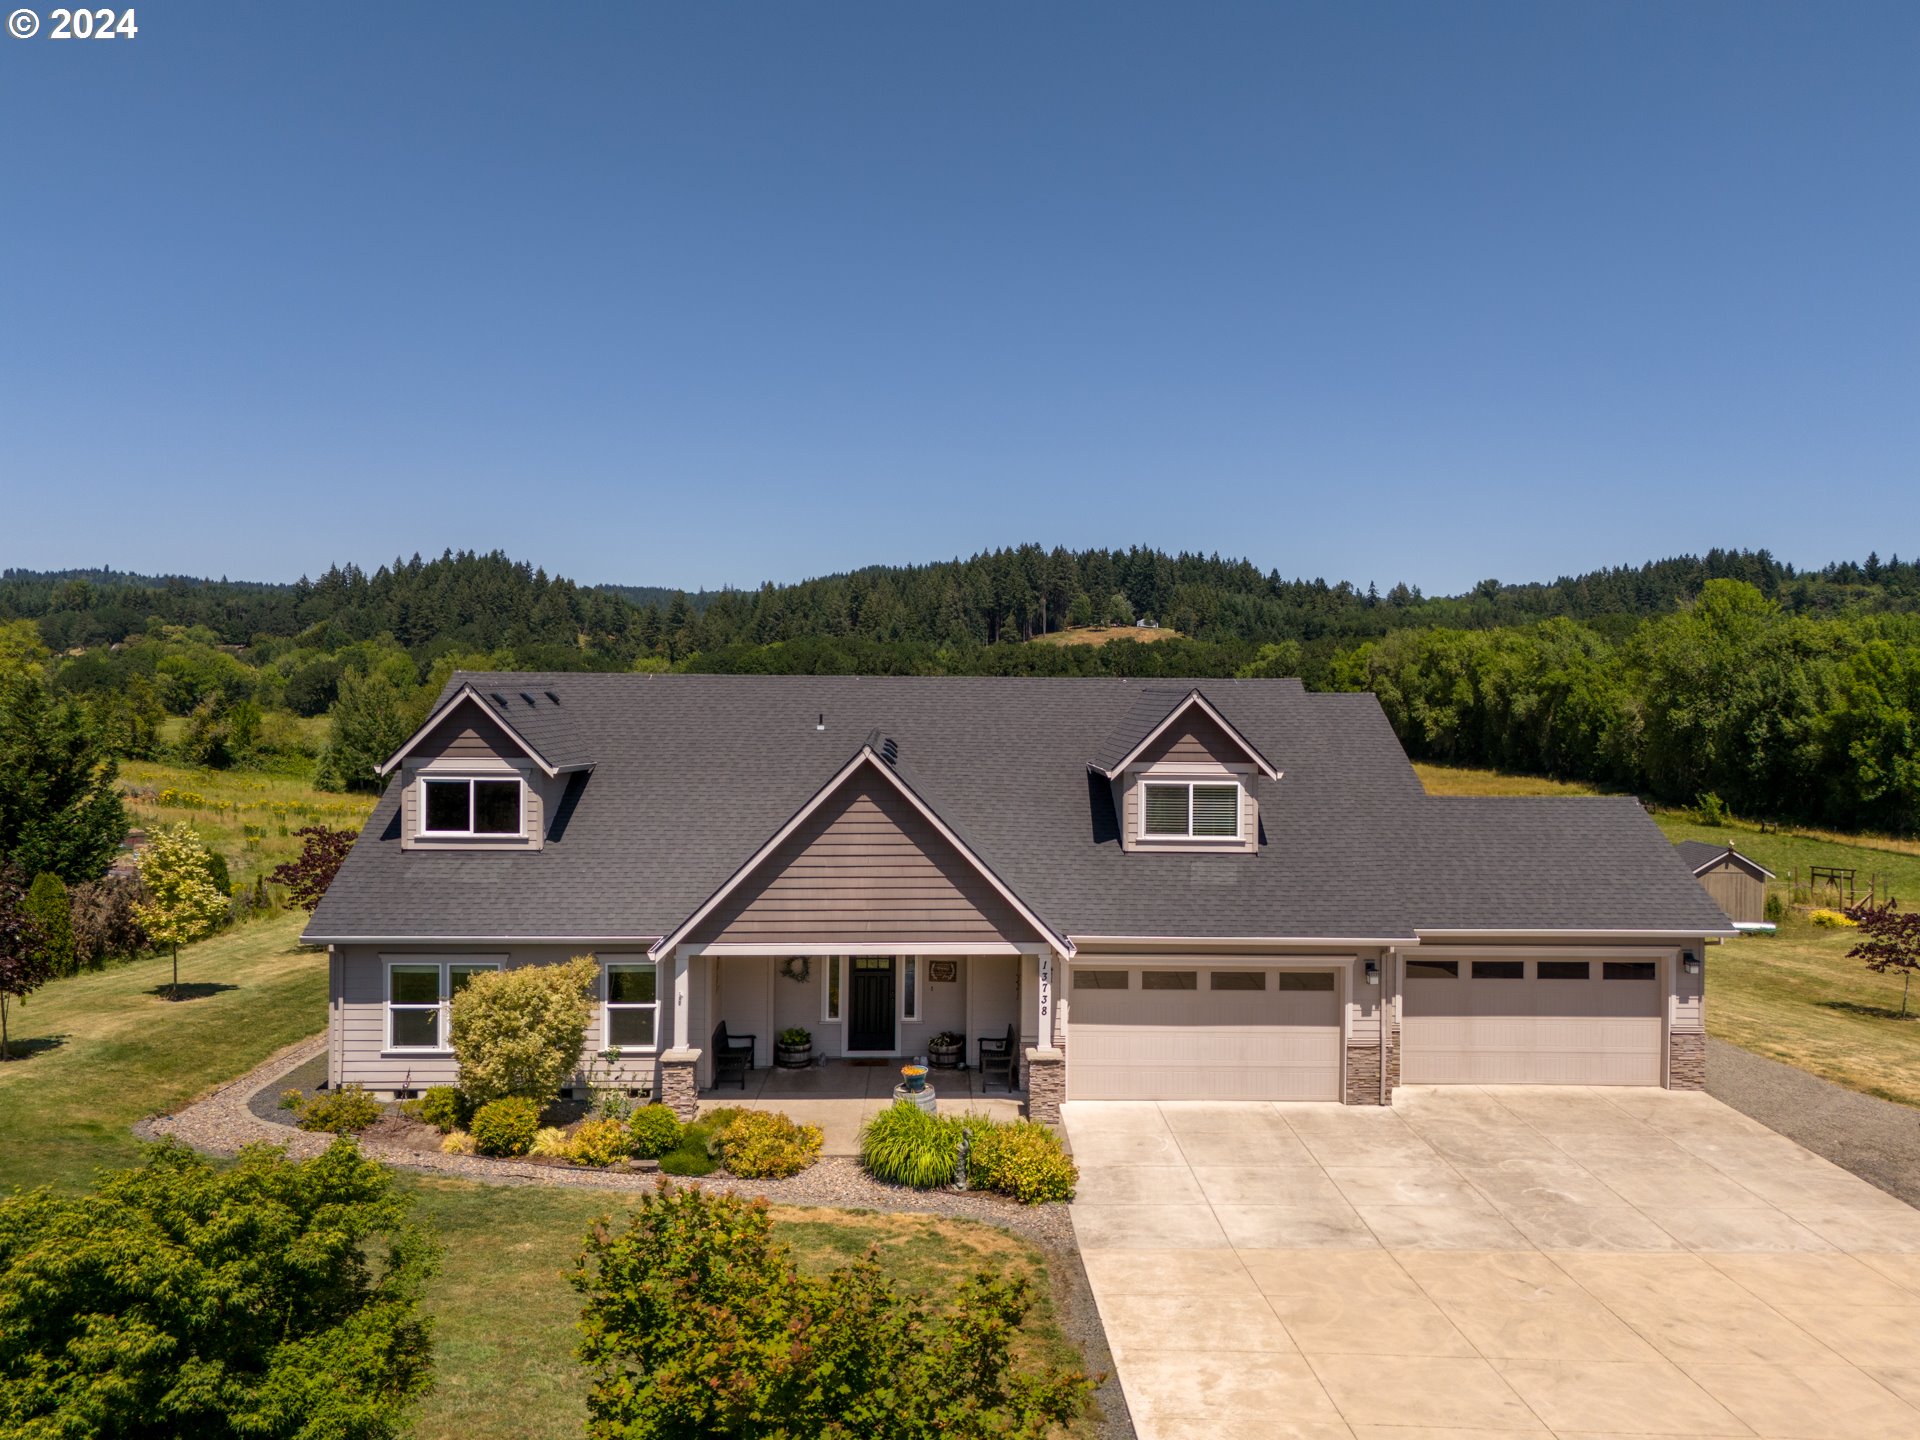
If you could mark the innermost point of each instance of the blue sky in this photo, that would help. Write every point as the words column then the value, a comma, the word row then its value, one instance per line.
column 710, row 294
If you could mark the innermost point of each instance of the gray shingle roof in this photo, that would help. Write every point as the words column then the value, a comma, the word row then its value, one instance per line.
column 540, row 714
column 694, row 772
column 1699, row 854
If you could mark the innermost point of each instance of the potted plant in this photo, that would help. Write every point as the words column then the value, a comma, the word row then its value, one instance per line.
column 946, row 1050
column 793, row 1048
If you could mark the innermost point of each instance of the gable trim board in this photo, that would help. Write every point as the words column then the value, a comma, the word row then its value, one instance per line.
column 863, row 758
column 441, row 712
column 1192, row 700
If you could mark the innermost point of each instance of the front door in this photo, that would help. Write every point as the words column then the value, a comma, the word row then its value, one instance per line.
column 870, row 1006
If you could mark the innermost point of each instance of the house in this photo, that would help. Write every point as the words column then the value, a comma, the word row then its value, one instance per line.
column 1737, row 883
column 1207, row 889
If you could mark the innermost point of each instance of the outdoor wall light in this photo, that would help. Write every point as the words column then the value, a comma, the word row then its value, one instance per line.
column 1690, row 962
column 1373, row 972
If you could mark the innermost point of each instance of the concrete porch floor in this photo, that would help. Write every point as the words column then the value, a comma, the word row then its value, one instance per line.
column 839, row 1097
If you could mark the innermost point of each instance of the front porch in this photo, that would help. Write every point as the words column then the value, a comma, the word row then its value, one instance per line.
column 842, row 1095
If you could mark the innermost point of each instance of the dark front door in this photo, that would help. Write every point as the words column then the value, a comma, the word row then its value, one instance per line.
column 870, row 1006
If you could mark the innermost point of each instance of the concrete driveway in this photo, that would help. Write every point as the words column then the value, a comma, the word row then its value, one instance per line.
column 1577, row 1262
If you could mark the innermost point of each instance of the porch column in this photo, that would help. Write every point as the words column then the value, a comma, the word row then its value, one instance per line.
column 1046, row 1062
column 680, row 1066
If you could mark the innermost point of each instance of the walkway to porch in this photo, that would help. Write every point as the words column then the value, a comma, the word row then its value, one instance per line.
column 840, row 1095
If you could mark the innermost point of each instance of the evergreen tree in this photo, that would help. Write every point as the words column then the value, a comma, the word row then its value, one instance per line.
column 60, row 807
column 47, row 902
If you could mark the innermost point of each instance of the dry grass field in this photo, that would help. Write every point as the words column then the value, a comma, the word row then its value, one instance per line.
column 1105, row 634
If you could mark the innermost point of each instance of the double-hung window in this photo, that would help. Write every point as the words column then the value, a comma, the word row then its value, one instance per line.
column 470, row 806
column 1192, row 810
column 420, row 1001
column 633, row 1004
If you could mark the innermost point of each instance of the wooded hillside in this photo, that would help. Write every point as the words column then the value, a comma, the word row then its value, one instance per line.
column 1783, row 692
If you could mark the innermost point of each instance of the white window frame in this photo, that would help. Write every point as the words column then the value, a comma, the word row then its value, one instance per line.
column 1188, row 782
column 833, row 988
column 608, row 964
column 432, row 777
column 910, row 965
column 442, row 1008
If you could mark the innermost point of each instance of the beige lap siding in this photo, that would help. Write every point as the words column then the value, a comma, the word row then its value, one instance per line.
column 865, row 867
column 359, row 1014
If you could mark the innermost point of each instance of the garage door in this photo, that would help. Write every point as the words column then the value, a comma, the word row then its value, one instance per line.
column 1203, row 1034
column 1531, row 1022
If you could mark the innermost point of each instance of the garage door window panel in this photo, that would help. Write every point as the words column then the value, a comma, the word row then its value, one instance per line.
column 1242, row 980
column 1564, row 970
column 1631, row 970
column 1100, row 979
column 1169, row 979
column 1499, row 969
column 1433, row 969
column 1307, row 982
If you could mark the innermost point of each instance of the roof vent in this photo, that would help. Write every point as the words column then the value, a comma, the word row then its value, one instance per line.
column 552, row 698
column 497, row 698
column 821, row 723
column 889, row 751
column 528, row 698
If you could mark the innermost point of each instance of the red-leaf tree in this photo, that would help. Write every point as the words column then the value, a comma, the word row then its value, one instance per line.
column 25, row 964
column 1889, row 943
column 321, row 851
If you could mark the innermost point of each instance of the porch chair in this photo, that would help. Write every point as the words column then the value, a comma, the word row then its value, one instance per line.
column 999, row 1056
column 731, row 1055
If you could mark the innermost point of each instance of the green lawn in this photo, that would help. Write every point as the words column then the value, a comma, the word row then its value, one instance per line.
column 105, row 1049
column 1795, row 996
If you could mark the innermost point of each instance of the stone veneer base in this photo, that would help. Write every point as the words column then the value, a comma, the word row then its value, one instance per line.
column 680, row 1083
column 1687, row 1061
column 1363, row 1074
column 1046, row 1085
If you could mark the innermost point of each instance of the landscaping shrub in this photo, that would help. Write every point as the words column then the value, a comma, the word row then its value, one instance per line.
column 655, row 1129
column 183, row 1298
column 765, row 1145
column 697, row 1322
column 1776, row 906
column 52, row 910
column 552, row 1143
column 1833, row 920
column 904, row 1146
column 519, row 1032
column 346, row 1111
column 697, row 1151
column 506, row 1127
column 600, row 1143
column 1022, row 1158
column 457, row 1143
column 106, row 923
column 445, row 1108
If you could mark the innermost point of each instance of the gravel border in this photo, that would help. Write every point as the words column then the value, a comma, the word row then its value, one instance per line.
column 1876, row 1139
column 225, row 1120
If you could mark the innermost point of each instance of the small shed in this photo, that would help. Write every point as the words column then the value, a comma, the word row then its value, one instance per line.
column 1737, row 883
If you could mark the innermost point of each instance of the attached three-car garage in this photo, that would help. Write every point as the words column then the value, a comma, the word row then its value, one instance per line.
column 1203, row 1032
column 1536, row 1021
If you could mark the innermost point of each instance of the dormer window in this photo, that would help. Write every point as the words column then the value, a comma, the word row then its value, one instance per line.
column 1191, row 810
column 450, row 809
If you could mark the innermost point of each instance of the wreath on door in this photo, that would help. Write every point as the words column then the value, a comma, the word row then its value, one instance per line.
column 797, row 968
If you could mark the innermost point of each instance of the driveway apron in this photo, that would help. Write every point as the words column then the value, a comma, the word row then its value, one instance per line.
column 1492, row 1261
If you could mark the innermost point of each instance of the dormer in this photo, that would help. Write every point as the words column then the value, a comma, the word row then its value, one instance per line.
column 1185, row 778
column 485, row 770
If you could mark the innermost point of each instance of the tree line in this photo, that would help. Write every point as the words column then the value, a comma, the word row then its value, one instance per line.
column 1785, row 692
